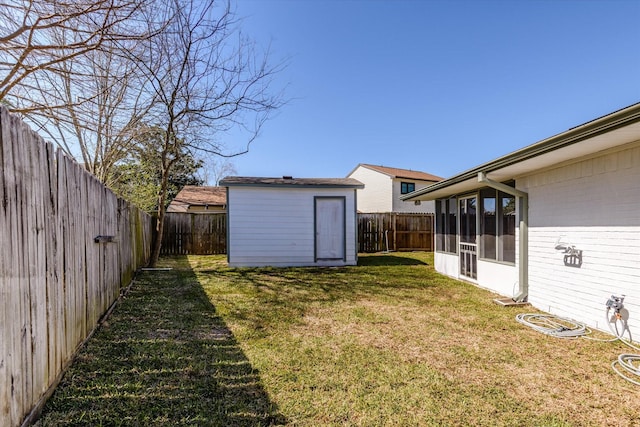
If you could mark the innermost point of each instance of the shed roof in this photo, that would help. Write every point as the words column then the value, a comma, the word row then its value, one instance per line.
column 400, row 173
column 613, row 130
column 286, row 181
column 192, row 195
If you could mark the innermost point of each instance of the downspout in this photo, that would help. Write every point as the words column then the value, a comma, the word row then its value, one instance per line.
column 523, row 246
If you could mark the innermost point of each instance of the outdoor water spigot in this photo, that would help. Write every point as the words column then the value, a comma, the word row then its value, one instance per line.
column 616, row 303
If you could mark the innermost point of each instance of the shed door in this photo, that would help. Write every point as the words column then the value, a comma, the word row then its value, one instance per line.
column 330, row 228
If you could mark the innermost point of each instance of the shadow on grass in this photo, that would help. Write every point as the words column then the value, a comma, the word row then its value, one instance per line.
column 265, row 296
column 388, row 260
column 163, row 358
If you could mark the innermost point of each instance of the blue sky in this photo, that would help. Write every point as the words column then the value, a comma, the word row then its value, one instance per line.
column 437, row 86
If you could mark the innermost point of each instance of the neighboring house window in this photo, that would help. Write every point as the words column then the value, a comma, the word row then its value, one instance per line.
column 407, row 187
column 446, row 225
column 497, row 226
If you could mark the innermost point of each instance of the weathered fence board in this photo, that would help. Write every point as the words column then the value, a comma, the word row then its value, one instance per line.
column 393, row 231
column 55, row 281
column 194, row 234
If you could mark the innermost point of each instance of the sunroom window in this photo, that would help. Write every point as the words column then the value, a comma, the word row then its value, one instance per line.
column 497, row 226
column 446, row 225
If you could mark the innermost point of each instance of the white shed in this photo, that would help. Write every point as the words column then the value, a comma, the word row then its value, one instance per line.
column 291, row 222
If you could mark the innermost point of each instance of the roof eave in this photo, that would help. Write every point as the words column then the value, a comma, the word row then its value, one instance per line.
column 600, row 126
column 361, row 186
column 346, row 183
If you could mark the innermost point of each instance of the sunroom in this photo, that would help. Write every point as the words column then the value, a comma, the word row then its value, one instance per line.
column 477, row 235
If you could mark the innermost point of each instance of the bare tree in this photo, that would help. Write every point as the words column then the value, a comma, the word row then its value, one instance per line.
column 206, row 79
column 221, row 168
column 38, row 36
column 65, row 66
column 104, row 106
column 95, row 74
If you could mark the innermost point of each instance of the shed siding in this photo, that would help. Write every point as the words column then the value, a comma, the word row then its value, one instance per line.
column 275, row 226
column 377, row 194
column 592, row 204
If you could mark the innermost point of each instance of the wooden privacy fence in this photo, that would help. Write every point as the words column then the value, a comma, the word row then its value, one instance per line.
column 194, row 234
column 395, row 232
column 206, row 233
column 67, row 244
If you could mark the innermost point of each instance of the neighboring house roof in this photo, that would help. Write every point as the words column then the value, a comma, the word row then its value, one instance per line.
column 400, row 173
column 287, row 181
column 615, row 129
column 192, row 195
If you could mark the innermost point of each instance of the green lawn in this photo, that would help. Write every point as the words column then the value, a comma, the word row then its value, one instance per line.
column 389, row 342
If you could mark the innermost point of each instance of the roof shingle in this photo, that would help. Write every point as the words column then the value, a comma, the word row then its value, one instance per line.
column 290, row 181
column 191, row 195
column 403, row 173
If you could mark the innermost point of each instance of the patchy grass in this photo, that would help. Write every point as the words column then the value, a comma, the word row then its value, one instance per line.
column 389, row 342
column 165, row 357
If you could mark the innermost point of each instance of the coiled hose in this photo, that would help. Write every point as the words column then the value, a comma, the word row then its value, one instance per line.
column 626, row 362
column 548, row 324
column 626, row 366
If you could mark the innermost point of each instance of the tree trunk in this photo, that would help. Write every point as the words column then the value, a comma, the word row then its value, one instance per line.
column 157, row 243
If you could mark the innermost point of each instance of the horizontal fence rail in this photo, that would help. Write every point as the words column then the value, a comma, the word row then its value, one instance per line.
column 67, row 245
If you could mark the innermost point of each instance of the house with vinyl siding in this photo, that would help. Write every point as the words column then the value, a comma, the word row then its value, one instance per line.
column 291, row 222
column 383, row 186
column 556, row 223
